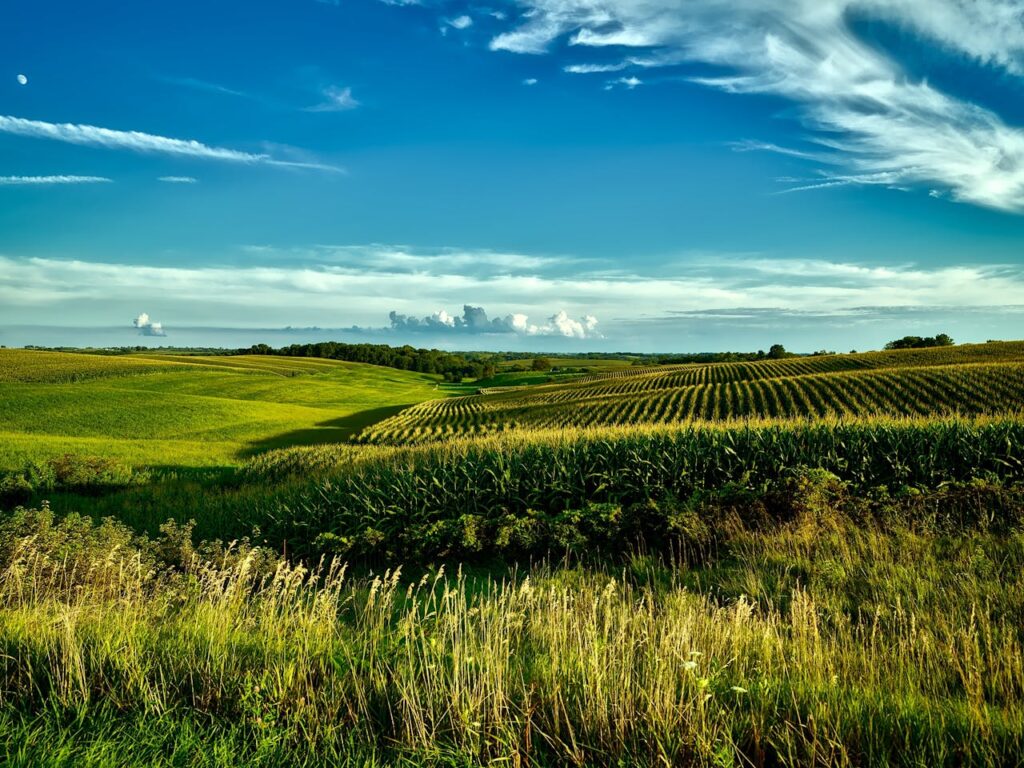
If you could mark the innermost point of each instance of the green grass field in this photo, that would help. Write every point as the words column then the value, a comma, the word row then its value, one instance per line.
column 267, row 561
column 164, row 410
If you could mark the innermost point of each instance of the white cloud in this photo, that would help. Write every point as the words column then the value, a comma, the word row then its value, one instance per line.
column 22, row 80
column 474, row 320
column 589, row 69
column 147, row 327
column 628, row 82
column 865, row 109
column 530, row 81
column 137, row 141
column 560, row 324
column 460, row 22
column 9, row 181
column 443, row 318
column 336, row 100
column 134, row 140
column 293, row 291
column 179, row 179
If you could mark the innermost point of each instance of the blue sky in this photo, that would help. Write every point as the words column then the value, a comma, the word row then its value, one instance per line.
column 639, row 174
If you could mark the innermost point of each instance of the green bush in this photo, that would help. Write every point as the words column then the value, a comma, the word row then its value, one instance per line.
column 78, row 474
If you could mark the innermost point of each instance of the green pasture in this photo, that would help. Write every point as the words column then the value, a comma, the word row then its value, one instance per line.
column 168, row 410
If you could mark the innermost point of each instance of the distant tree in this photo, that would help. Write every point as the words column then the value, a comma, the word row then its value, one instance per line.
column 907, row 342
column 541, row 364
column 919, row 342
column 776, row 352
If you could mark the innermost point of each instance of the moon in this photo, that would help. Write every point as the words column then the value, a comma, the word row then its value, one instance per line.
column 22, row 80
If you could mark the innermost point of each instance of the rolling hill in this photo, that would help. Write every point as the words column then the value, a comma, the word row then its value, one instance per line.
column 177, row 410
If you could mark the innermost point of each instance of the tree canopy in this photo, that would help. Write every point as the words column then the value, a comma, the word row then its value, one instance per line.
column 921, row 342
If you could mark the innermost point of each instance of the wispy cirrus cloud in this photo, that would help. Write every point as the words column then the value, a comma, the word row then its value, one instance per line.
column 205, row 85
column 28, row 181
column 178, row 180
column 863, row 108
column 590, row 69
column 336, row 100
column 138, row 141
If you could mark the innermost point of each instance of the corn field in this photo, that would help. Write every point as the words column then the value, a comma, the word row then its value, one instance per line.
column 405, row 500
column 811, row 388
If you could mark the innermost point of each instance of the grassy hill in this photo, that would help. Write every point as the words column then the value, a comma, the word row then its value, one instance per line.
column 170, row 410
column 966, row 380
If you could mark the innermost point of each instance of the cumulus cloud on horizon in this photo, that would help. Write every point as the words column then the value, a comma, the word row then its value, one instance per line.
column 147, row 327
column 474, row 320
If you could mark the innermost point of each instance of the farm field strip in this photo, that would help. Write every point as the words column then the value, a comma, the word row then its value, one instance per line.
column 37, row 366
column 936, row 384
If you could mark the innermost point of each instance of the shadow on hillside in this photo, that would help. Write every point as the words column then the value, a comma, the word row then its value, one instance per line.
column 333, row 431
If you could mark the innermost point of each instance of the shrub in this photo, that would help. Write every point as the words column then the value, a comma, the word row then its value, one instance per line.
column 78, row 474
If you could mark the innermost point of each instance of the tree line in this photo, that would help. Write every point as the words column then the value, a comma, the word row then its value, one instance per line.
column 452, row 366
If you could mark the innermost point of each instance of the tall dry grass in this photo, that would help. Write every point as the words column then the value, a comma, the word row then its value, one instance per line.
column 820, row 642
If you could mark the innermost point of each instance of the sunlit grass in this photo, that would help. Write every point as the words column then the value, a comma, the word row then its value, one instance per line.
column 820, row 642
column 165, row 410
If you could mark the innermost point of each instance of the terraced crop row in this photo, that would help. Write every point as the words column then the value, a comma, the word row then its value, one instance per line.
column 968, row 389
column 40, row 366
column 635, row 381
column 36, row 366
